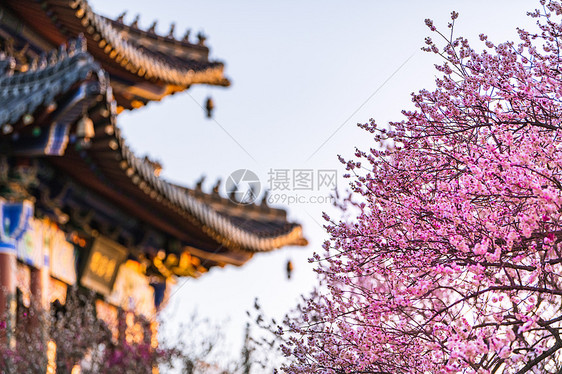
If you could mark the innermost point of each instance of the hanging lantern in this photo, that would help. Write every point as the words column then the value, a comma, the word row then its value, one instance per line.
column 289, row 269
column 209, row 106
column 85, row 128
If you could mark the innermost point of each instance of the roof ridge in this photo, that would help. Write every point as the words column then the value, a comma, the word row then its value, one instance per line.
column 136, row 60
column 151, row 32
column 48, row 64
column 50, row 75
column 217, row 225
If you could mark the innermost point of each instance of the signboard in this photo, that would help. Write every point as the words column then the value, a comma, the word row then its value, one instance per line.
column 30, row 248
column 132, row 290
column 44, row 244
column 62, row 262
column 102, row 265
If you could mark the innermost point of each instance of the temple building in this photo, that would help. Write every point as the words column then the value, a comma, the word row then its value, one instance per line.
column 78, row 208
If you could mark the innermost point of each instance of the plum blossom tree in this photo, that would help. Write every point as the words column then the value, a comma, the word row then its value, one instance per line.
column 453, row 262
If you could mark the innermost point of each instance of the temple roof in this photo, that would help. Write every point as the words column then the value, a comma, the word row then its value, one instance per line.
column 69, row 86
column 22, row 94
column 143, row 66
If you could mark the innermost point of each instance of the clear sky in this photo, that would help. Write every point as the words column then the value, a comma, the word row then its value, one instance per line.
column 301, row 72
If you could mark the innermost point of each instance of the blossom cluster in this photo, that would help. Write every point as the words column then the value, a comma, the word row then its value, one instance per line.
column 453, row 262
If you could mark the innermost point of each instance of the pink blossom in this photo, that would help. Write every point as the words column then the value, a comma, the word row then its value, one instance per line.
column 452, row 253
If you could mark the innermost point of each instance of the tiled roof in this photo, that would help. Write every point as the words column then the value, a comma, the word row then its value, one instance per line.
column 264, row 232
column 249, row 228
column 23, row 93
column 144, row 61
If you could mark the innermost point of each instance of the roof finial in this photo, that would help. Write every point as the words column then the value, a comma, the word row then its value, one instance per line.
column 121, row 17
column 156, row 165
column 201, row 38
column 63, row 53
column 135, row 23
column 251, row 195
column 42, row 61
column 7, row 65
column 71, row 47
column 186, row 35
column 34, row 64
column 52, row 57
column 264, row 199
column 232, row 195
column 172, row 28
column 152, row 28
column 81, row 43
column 199, row 185
column 216, row 187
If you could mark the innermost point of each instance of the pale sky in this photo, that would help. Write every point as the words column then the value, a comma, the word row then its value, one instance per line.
column 300, row 71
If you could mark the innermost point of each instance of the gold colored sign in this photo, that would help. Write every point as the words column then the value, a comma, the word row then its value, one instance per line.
column 102, row 264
